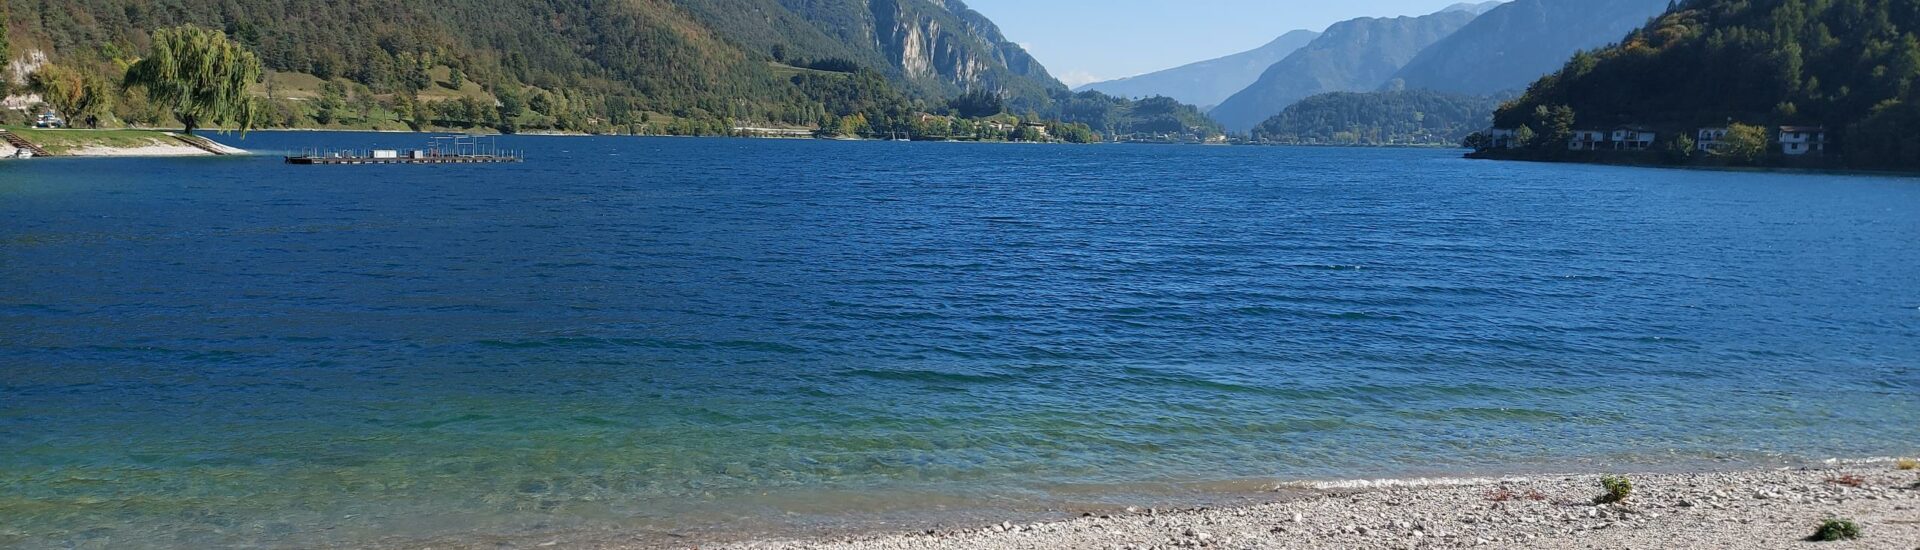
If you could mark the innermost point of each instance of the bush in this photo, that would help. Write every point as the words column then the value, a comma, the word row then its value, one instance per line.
column 1618, row 489
column 1907, row 464
column 1836, row 529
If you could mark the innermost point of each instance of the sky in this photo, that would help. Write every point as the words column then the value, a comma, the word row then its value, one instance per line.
column 1083, row 41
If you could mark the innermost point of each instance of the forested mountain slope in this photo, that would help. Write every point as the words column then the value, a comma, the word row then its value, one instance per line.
column 613, row 61
column 1849, row 65
column 1411, row 117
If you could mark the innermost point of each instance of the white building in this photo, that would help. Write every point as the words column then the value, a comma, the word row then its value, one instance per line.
column 1632, row 138
column 1801, row 140
column 1504, row 138
column 1710, row 139
column 1587, row 140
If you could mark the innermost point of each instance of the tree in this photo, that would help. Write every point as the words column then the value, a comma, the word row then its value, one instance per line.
column 1680, row 147
column 200, row 76
column 76, row 95
column 1743, row 143
column 1524, row 136
column 977, row 104
column 6, row 50
column 1477, row 141
column 456, row 78
column 511, row 106
column 1556, row 125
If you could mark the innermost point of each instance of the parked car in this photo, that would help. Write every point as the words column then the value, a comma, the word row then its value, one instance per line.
column 49, row 120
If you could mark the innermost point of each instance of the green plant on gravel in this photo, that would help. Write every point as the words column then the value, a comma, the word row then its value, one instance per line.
column 1907, row 464
column 1836, row 529
column 1618, row 489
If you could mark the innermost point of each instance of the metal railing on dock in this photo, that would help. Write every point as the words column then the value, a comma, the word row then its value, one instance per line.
column 439, row 150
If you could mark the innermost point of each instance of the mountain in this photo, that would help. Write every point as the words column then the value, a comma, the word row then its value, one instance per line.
column 1475, row 8
column 1412, row 117
column 1851, row 66
column 940, row 42
column 1514, row 44
column 1356, row 55
column 710, row 60
column 1209, row 82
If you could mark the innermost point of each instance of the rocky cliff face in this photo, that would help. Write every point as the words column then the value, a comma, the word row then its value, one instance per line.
column 953, row 46
column 939, row 46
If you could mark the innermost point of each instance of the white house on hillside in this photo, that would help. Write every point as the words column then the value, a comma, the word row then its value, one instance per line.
column 1710, row 139
column 1800, row 140
column 1586, row 140
column 1632, row 138
column 1504, row 139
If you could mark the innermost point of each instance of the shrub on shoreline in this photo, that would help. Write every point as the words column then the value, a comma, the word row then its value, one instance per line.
column 1836, row 530
column 1618, row 489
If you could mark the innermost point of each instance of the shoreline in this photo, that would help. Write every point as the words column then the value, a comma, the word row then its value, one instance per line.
column 1739, row 508
column 118, row 143
column 1695, row 166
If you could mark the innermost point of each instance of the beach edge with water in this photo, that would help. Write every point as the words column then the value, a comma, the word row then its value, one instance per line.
column 1736, row 508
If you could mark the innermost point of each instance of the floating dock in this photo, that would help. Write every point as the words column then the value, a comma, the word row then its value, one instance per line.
column 425, row 159
column 440, row 150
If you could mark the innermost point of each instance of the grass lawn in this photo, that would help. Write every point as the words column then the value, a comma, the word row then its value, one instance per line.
column 63, row 142
column 783, row 70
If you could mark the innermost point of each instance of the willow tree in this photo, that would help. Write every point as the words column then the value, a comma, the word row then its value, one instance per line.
column 199, row 75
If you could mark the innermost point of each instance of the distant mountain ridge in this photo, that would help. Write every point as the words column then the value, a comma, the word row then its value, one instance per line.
column 1475, row 8
column 1207, row 83
column 1513, row 44
column 1356, row 55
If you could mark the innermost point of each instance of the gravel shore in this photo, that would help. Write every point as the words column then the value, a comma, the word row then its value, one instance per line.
column 1751, row 509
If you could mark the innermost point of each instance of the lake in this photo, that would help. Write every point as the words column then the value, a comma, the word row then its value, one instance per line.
column 652, row 337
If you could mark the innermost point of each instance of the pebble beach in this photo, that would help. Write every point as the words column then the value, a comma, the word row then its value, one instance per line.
column 1778, row 508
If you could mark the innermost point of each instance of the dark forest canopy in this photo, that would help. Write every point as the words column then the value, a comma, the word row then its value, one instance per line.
column 1847, row 65
column 1413, row 117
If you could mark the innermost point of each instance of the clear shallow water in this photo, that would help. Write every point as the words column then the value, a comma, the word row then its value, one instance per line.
column 649, row 335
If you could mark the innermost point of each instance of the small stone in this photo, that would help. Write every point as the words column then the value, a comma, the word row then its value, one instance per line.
column 1297, row 518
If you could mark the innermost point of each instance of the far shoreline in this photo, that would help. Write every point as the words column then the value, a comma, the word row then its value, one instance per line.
column 1629, row 163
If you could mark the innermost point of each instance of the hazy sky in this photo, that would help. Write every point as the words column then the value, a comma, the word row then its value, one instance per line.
column 1083, row 41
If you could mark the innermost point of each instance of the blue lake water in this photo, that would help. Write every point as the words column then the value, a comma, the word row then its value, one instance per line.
column 644, row 336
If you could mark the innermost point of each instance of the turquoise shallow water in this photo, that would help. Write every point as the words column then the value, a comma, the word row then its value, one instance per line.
column 646, row 335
